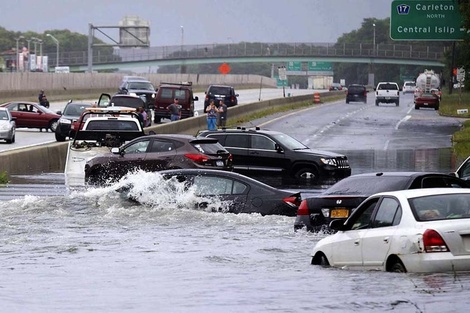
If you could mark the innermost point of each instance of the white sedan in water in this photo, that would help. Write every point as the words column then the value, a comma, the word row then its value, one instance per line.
column 419, row 230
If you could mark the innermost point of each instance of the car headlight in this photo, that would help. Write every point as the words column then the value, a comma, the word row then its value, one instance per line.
column 5, row 126
column 329, row 161
column 153, row 96
column 64, row 121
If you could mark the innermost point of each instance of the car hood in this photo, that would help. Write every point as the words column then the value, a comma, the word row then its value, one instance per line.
column 319, row 153
column 71, row 117
column 2, row 122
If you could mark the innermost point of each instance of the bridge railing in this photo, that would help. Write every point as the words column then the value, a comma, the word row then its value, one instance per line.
column 237, row 50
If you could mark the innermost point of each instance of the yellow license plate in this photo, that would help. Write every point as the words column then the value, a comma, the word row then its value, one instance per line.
column 339, row 213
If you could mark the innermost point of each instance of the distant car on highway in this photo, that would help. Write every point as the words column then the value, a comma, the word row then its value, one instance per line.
column 221, row 92
column 356, row 93
column 409, row 87
column 335, row 86
column 229, row 192
column 71, row 114
column 7, row 126
column 32, row 115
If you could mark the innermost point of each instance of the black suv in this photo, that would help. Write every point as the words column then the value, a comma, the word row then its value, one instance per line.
column 71, row 114
column 356, row 93
column 277, row 158
column 221, row 92
column 139, row 86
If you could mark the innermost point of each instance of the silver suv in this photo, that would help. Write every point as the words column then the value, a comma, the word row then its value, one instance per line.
column 387, row 92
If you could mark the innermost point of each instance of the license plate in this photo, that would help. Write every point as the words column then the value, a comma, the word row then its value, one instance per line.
column 219, row 163
column 387, row 98
column 425, row 103
column 339, row 213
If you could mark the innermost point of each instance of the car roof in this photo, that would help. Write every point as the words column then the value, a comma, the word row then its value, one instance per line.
column 240, row 130
column 182, row 136
column 412, row 193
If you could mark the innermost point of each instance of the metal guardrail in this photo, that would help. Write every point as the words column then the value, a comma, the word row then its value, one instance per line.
column 237, row 50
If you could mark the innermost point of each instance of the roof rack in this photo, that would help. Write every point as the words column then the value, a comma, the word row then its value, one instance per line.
column 178, row 84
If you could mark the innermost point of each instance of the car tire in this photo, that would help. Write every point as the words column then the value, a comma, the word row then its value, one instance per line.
column 397, row 103
column 307, row 174
column 347, row 101
column 157, row 119
column 53, row 125
column 320, row 259
column 377, row 102
column 397, row 267
column 59, row 137
column 416, row 107
column 12, row 140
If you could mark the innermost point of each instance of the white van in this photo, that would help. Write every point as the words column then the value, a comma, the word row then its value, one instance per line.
column 409, row 87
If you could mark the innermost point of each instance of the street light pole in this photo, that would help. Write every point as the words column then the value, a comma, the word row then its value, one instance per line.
column 17, row 53
column 57, row 43
column 374, row 37
column 182, row 37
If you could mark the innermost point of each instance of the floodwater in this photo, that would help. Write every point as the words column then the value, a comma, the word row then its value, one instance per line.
column 93, row 251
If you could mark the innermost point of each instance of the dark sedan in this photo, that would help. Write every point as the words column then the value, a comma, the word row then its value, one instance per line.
column 156, row 153
column 228, row 192
column 337, row 202
column 32, row 115
column 71, row 113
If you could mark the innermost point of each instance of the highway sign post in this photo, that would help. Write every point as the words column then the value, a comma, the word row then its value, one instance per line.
column 283, row 77
column 426, row 20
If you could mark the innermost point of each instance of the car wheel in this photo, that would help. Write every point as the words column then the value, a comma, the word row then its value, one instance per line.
column 307, row 174
column 416, row 107
column 376, row 102
column 12, row 140
column 53, row 125
column 397, row 267
column 397, row 103
column 59, row 137
column 347, row 101
column 157, row 119
column 320, row 259
column 436, row 108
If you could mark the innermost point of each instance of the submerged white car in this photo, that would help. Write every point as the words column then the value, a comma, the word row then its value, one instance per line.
column 418, row 230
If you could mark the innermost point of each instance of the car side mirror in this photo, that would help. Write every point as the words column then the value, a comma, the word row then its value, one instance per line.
column 58, row 112
column 337, row 225
column 115, row 150
column 236, row 95
column 196, row 98
column 278, row 148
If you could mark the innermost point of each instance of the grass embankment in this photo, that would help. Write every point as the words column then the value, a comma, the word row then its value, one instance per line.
column 450, row 106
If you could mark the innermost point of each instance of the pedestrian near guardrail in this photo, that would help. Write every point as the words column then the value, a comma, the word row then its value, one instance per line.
column 222, row 114
column 175, row 110
column 211, row 111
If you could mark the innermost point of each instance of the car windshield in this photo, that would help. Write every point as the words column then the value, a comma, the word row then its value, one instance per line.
column 75, row 109
column 439, row 207
column 141, row 86
column 366, row 185
column 3, row 115
column 289, row 142
column 410, row 84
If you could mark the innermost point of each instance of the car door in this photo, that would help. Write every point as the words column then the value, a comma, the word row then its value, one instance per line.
column 132, row 157
column 238, row 146
column 376, row 241
column 264, row 155
column 347, row 250
column 160, row 155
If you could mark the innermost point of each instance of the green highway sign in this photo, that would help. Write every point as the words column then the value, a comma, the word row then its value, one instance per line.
column 320, row 66
column 426, row 20
column 294, row 66
column 281, row 82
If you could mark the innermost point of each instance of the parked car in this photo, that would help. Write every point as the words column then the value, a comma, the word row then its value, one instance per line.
column 156, row 153
column 139, row 86
column 32, row 115
column 228, row 192
column 166, row 94
column 71, row 114
column 221, row 92
column 126, row 100
column 267, row 155
column 427, row 100
column 387, row 92
column 7, row 126
column 340, row 200
column 420, row 231
column 356, row 93
column 335, row 86
column 409, row 87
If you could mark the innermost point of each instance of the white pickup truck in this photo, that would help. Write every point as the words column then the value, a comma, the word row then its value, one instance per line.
column 387, row 92
column 99, row 130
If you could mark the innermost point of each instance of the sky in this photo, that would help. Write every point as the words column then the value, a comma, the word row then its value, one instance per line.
column 200, row 21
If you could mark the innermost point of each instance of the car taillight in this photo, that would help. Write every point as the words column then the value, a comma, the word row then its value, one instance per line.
column 293, row 200
column 232, row 99
column 303, row 208
column 433, row 242
column 198, row 158
column 365, row 92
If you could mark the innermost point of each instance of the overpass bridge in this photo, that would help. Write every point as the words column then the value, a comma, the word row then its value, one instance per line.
column 246, row 52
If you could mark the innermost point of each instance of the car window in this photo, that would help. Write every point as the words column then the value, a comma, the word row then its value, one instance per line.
column 112, row 124
column 289, row 142
column 209, row 148
column 360, row 185
column 3, row 115
column 181, row 95
column 438, row 181
column 137, row 147
column 217, row 90
column 388, row 87
column 166, row 93
column 364, row 217
column 438, row 207
column 262, row 143
column 161, row 146
column 210, row 185
column 356, row 88
column 141, row 86
column 388, row 213
column 237, row 141
column 410, row 84
column 127, row 102
column 75, row 110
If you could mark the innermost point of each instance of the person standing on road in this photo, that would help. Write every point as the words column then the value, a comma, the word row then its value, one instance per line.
column 222, row 114
column 175, row 110
column 211, row 111
column 41, row 94
column 44, row 102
